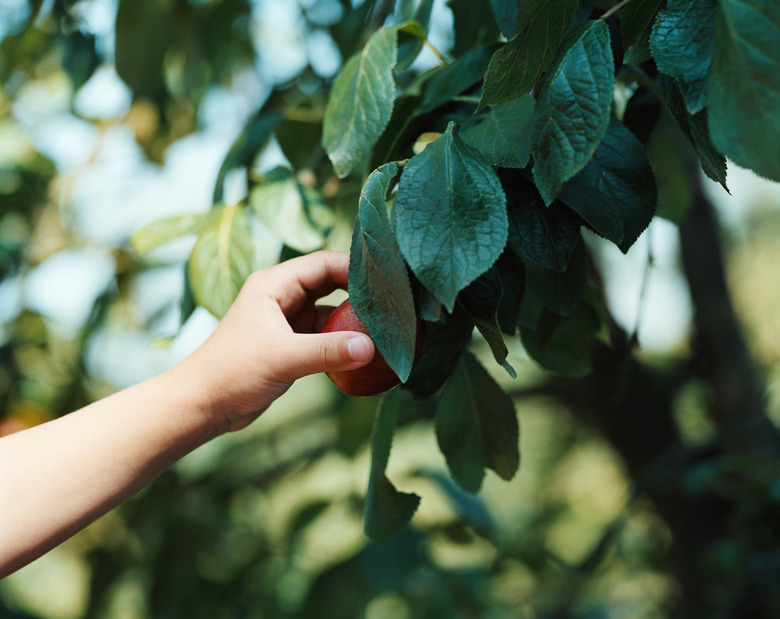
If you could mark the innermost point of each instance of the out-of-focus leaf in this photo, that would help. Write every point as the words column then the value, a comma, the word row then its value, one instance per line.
column 474, row 25
column 254, row 136
column 297, row 214
column 386, row 511
column 164, row 230
column 469, row 507
column 559, row 344
column 221, row 260
column 410, row 43
column 560, row 292
column 453, row 79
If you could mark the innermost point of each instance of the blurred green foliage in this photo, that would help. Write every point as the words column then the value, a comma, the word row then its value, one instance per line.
column 599, row 521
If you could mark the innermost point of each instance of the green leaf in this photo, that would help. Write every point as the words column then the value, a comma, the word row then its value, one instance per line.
column 471, row 509
column 300, row 140
column 512, row 271
column 670, row 154
column 296, row 214
column 636, row 24
column 573, row 108
column 681, row 44
column 221, row 260
column 409, row 46
column 245, row 148
column 561, row 293
column 514, row 68
column 615, row 192
column 506, row 13
column 476, row 426
column 559, row 344
column 502, row 135
column 387, row 510
column 379, row 285
column 473, row 25
column 744, row 86
column 449, row 216
column 444, row 343
column 160, row 232
column 694, row 128
column 451, row 80
column 544, row 235
column 361, row 102
column 481, row 300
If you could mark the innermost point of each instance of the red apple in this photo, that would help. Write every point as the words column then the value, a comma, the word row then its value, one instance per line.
column 375, row 377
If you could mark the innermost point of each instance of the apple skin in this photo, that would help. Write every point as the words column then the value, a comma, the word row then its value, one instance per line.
column 375, row 377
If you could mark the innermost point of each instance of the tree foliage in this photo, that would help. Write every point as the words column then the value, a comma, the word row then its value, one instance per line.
column 473, row 175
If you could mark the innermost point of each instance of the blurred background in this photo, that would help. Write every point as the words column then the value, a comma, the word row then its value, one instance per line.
column 114, row 114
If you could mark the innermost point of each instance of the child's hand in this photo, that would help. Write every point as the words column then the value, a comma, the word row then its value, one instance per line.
column 270, row 337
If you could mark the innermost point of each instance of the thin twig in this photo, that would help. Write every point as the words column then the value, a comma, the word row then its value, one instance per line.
column 614, row 9
column 442, row 58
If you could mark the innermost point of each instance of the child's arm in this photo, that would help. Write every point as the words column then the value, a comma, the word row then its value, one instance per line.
column 58, row 477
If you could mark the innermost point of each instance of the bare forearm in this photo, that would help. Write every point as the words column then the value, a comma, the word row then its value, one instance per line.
column 58, row 477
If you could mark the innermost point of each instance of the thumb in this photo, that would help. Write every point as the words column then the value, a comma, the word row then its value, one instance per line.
column 338, row 351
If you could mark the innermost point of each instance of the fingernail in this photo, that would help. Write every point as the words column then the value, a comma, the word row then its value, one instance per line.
column 359, row 348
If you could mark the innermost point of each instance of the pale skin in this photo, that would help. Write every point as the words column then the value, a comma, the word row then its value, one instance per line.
column 58, row 477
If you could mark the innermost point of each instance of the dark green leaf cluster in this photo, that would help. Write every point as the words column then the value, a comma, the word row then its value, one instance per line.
column 472, row 180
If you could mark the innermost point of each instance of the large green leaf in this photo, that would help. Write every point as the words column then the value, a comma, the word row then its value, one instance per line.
column 615, row 192
column 636, row 23
column 513, row 70
column 296, row 214
column 502, row 135
column 573, row 108
column 379, row 285
column 694, row 128
column 361, row 102
column 449, row 216
column 386, row 510
column 681, row 44
column 544, row 235
column 744, row 86
column 476, row 426
column 221, row 260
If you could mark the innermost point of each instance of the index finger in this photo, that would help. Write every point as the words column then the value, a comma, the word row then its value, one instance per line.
column 309, row 277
